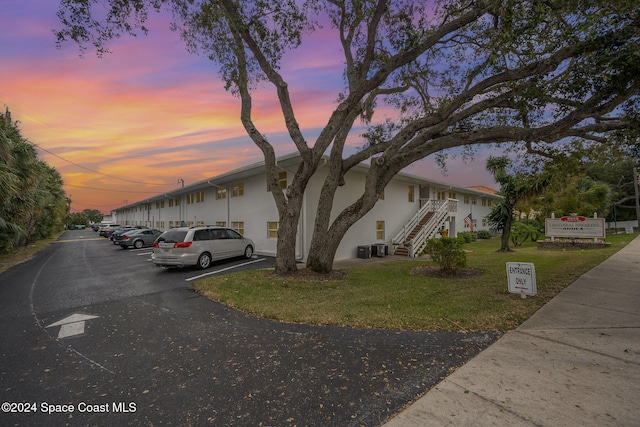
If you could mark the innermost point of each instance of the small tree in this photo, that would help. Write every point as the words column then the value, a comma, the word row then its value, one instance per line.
column 513, row 189
column 447, row 253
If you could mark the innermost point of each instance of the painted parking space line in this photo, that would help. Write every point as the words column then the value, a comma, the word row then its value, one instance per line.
column 79, row 240
column 189, row 279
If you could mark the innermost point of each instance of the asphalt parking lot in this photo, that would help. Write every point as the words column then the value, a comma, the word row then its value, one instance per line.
column 89, row 325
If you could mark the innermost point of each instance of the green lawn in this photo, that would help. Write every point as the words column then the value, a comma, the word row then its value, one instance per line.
column 388, row 296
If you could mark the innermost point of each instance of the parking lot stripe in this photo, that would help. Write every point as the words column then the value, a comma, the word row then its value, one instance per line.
column 189, row 279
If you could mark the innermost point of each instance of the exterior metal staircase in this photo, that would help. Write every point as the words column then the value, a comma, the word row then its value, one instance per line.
column 423, row 226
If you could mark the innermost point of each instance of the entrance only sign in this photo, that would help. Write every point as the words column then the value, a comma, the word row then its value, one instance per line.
column 522, row 278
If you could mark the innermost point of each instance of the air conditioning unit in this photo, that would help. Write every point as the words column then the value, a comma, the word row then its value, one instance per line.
column 364, row 251
column 380, row 250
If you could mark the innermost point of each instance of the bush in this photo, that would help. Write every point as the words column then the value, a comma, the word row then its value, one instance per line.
column 447, row 252
column 467, row 236
column 521, row 231
column 484, row 234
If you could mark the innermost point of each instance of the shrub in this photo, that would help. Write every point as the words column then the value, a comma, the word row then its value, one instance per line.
column 484, row 234
column 467, row 236
column 521, row 231
column 447, row 252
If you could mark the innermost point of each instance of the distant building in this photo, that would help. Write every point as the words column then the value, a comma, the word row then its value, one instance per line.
column 240, row 199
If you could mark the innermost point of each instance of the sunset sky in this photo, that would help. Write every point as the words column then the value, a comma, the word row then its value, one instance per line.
column 131, row 124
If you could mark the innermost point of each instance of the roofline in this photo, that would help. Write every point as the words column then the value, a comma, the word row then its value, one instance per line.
column 293, row 158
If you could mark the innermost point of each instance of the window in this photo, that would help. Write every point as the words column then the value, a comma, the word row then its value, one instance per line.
column 466, row 199
column 475, row 224
column 411, row 194
column 160, row 204
column 484, row 202
column 190, row 198
column 221, row 223
column 200, row 196
column 177, row 199
column 442, row 195
column 282, row 179
column 484, row 222
column 473, row 200
column 489, row 202
column 238, row 226
column 200, row 223
column 171, row 203
column 380, row 230
column 221, row 193
column 237, row 189
column 452, row 195
column 272, row 229
column 200, row 235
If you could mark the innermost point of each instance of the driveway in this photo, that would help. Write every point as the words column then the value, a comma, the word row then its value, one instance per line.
column 95, row 335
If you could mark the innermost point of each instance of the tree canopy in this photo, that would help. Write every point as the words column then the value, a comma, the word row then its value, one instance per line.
column 32, row 202
column 532, row 74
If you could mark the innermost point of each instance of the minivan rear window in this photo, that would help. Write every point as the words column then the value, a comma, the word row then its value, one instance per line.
column 173, row 236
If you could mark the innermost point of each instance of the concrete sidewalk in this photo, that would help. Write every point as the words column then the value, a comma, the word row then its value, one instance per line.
column 575, row 362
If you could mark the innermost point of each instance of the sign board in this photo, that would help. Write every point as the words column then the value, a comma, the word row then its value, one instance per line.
column 574, row 226
column 522, row 278
column 628, row 229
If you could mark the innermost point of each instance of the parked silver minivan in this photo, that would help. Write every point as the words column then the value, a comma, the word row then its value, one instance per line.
column 199, row 246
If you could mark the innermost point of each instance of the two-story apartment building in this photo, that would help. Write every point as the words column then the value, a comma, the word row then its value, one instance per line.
column 240, row 199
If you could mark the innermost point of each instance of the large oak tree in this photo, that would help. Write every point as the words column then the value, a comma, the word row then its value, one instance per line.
column 529, row 73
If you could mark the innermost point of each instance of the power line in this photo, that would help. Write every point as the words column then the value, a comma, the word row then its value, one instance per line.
column 94, row 171
column 115, row 191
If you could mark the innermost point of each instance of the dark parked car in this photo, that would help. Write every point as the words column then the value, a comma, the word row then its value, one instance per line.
column 103, row 230
column 116, row 236
column 139, row 238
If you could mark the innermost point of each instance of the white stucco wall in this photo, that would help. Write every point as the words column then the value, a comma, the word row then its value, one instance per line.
column 255, row 208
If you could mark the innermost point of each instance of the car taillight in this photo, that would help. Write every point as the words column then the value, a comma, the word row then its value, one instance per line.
column 182, row 245
column 125, row 237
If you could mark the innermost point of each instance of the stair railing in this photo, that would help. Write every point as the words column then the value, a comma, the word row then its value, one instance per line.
column 401, row 237
column 430, row 229
column 441, row 209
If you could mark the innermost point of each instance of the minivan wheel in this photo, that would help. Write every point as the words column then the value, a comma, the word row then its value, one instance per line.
column 248, row 252
column 204, row 261
column 138, row 244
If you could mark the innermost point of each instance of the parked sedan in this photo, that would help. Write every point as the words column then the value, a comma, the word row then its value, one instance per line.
column 139, row 238
column 116, row 236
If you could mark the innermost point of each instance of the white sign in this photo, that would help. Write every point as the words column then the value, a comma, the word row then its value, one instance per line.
column 574, row 226
column 522, row 278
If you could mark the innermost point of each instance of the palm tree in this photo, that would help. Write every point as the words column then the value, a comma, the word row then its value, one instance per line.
column 513, row 189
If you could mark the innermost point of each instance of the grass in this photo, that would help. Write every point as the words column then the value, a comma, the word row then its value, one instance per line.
column 388, row 296
column 9, row 259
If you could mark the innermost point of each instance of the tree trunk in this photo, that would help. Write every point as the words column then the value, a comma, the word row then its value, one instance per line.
column 286, row 246
column 322, row 252
column 506, row 234
column 289, row 217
